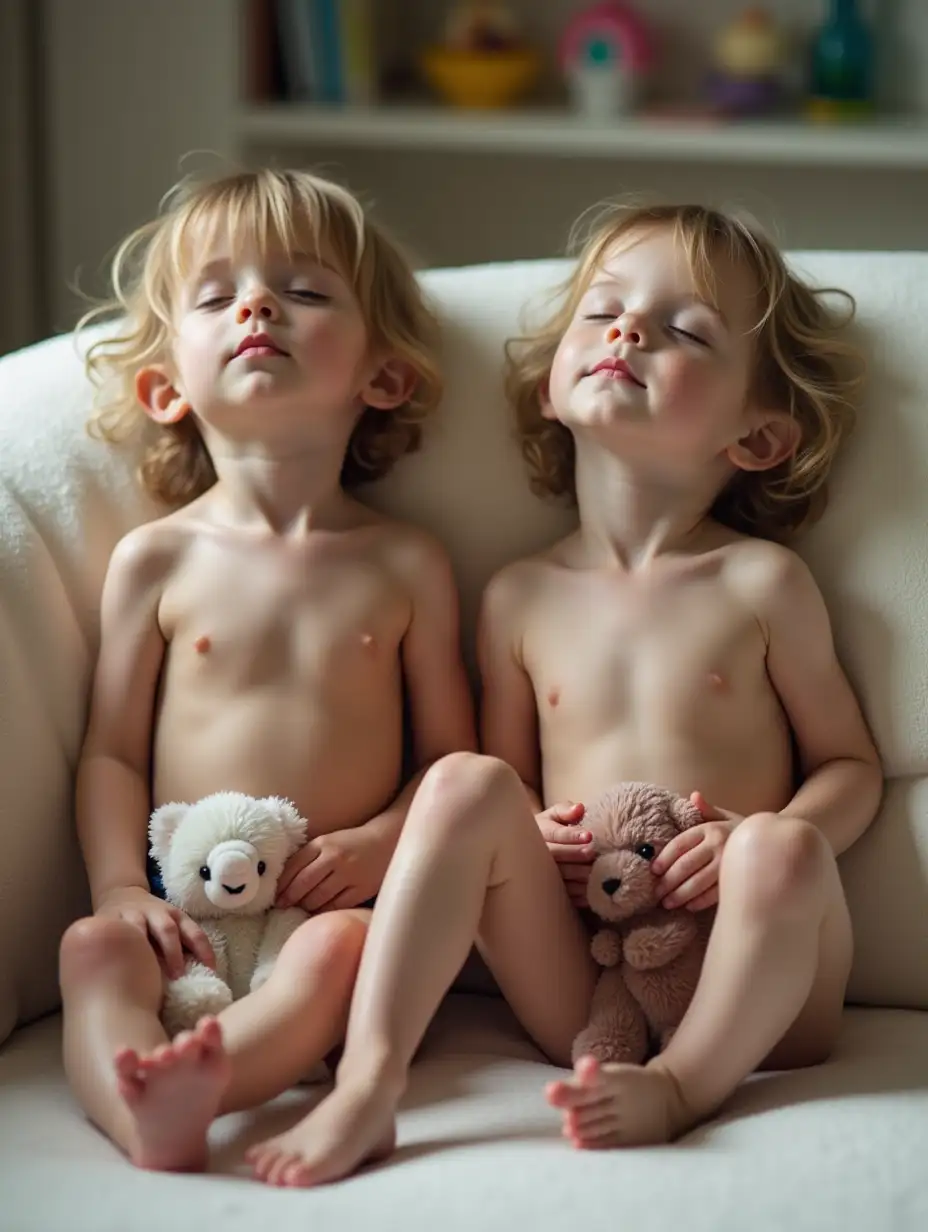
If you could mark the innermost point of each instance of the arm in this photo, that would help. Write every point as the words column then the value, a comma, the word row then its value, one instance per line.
column 508, row 713
column 113, row 800
column 840, row 764
column 509, row 722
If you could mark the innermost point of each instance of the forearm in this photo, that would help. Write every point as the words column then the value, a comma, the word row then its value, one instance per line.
column 113, row 806
column 841, row 797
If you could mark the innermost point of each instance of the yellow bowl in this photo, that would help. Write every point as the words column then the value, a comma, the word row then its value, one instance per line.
column 480, row 79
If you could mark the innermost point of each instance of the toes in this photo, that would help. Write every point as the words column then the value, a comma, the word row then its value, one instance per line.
column 126, row 1063
column 296, row 1174
column 587, row 1071
column 209, row 1033
column 280, row 1167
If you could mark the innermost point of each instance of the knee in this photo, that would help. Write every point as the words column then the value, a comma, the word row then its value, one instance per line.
column 326, row 948
column 778, row 863
column 98, row 943
column 470, row 781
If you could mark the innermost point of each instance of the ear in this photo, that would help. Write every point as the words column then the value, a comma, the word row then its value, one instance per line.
column 163, row 827
column 772, row 437
column 544, row 400
column 292, row 823
column 160, row 399
column 684, row 813
column 392, row 385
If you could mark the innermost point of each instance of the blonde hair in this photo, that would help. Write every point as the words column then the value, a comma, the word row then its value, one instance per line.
column 293, row 208
column 801, row 365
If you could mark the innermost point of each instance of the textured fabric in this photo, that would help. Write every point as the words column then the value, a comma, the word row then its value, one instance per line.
column 65, row 499
column 840, row 1148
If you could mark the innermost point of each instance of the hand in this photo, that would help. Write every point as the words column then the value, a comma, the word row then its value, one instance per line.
column 342, row 869
column 689, row 865
column 569, row 846
column 168, row 929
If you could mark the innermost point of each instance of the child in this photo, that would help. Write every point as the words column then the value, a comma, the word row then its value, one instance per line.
column 689, row 393
column 260, row 637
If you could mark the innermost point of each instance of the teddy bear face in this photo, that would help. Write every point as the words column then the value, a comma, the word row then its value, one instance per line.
column 630, row 824
column 225, row 853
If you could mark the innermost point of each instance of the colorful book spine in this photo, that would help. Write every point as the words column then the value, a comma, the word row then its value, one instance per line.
column 327, row 49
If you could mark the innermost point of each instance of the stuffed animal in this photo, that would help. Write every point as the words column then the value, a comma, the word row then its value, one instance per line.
column 651, row 955
column 220, row 860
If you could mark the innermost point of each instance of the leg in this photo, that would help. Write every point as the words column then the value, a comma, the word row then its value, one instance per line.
column 156, row 1099
column 470, row 864
column 129, row 1079
column 771, row 990
column 276, row 1034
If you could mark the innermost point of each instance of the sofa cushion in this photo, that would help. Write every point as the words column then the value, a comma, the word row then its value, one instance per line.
column 832, row 1149
column 65, row 499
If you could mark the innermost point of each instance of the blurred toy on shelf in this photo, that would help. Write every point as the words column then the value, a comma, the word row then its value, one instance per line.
column 606, row 56
column 841, row 85
column 483, row 61
column 748, row 64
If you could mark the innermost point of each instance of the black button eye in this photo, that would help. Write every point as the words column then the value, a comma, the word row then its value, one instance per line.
column 262, row 868
column 205, row 873
column 645, row 850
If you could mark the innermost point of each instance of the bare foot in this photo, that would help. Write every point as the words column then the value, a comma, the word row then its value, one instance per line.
column 620, row 1105
column 172, row 1096
column 352, row 1126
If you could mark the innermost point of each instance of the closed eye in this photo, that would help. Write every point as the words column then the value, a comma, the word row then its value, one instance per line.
column 214, row 301
column 309, row 297
column 599, row 316
column 690, row 337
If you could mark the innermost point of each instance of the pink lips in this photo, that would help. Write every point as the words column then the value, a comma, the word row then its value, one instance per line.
column 258, row 344
column 618, row 369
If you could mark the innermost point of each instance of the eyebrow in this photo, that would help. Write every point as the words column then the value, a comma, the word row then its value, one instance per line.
column 221, row 264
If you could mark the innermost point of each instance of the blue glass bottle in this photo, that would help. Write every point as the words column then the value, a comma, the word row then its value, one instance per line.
column 841, row 84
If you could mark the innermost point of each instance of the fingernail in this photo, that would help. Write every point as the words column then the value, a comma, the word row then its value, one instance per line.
column 584, row 836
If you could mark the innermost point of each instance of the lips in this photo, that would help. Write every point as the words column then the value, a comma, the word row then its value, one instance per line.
column 618, row 369
column 261, row 344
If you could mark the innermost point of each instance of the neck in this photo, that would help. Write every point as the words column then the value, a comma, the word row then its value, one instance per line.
column 627, row 519
column 287, row 492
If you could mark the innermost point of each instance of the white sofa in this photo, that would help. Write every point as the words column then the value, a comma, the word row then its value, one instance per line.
column 844, row 1146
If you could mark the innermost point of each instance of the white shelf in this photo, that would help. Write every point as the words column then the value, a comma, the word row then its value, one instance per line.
column 900, row 143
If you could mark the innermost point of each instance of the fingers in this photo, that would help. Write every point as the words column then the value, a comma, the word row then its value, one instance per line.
column 569, row 812
column 683, row 868
column 566, row 854
column 166, row 936
column 347, row 898
column 694, row 887
column 703, row 901
column 322, row 895
column 305, row 881
column 576, row 872
column 555, row 832
column 677, row 847
column 196, row 941
column 294, row 866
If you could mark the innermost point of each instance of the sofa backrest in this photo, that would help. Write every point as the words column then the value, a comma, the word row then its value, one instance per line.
column 65, row 499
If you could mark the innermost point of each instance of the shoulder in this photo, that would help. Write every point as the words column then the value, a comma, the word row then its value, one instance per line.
column 770, row 578
column 411, row 553
column 146, row 555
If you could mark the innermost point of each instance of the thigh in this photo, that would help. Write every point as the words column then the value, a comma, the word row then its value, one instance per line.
column 812, row 1037
column 532, row 937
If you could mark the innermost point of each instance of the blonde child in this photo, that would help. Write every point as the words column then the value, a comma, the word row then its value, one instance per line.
column 260, row 636
column 689, row 393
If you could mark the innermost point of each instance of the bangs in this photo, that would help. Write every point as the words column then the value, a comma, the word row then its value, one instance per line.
column 264, row 211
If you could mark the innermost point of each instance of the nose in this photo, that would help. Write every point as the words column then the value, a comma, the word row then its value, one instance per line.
column 258, row 302
column 611, row 884
column 627, row 328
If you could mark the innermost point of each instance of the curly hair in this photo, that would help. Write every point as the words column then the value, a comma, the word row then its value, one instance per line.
column 801, row 364
column 302, row 212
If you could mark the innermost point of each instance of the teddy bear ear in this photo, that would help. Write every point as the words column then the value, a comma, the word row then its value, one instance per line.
column 163, row 827
column 293, row 824
column 685, row 813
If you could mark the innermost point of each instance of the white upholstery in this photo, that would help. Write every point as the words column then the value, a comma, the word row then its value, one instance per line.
column 479, row 1146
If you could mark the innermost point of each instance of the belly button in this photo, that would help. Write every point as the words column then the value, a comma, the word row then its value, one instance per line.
column 202, row 644
column 554, row 696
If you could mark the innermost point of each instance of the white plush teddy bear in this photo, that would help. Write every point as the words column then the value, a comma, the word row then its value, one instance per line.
column 220, row 860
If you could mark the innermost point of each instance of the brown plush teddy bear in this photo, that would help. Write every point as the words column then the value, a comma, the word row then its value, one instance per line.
column 651, row 955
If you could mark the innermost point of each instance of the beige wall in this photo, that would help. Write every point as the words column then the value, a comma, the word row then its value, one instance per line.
column 20, row 302
column 133, row 85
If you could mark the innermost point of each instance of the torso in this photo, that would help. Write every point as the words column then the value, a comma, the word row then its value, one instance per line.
column 658, row 676
column 282, row 672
